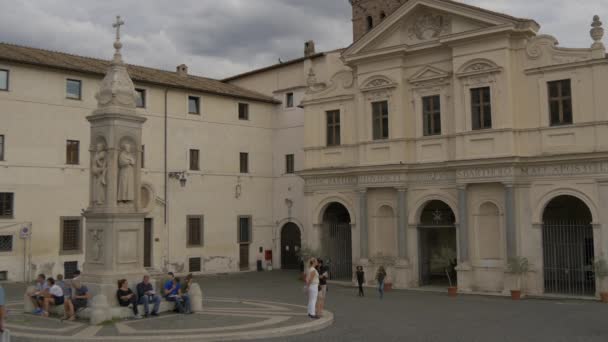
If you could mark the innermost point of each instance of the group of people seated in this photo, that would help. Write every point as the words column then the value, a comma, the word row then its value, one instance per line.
column 48, row 292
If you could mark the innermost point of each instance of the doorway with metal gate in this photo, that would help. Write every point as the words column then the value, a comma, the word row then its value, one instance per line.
column 568, row 249
column 336, row 242
column 437, row 245
column 291, row 242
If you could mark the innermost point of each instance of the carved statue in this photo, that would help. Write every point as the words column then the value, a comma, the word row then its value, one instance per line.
column 97, row 250
column 99, row 170
column 126, row 174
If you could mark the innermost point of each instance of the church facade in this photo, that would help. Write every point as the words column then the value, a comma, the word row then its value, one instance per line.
column 446, row 141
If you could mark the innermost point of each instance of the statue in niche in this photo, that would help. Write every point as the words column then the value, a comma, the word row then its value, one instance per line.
column 126, row 174
column 99, row 171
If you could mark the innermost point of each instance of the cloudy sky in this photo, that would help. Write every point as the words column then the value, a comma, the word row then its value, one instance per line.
column 218, row 38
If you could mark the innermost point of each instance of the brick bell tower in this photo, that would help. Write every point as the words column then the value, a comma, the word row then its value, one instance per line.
column 369, row 13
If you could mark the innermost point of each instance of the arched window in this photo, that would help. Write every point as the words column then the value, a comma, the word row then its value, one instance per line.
column 370, row 23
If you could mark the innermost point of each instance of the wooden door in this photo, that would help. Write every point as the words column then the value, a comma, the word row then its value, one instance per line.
column 244, row 256
column 148, row 242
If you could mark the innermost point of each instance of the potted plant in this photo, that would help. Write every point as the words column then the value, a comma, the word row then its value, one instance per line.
column 446, row 259
column 601, row 272
column 518, row 266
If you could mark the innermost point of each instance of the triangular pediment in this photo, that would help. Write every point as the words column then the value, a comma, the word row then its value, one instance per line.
column 420, row 23
column 429, row 73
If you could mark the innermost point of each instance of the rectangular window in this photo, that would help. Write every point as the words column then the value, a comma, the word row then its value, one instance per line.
column 333, row 128
column 244, row 162
column 6, row 243
column 380, row 120
column 6, row 205
column 72, row 152
column 140, row 100
column 195, row 231
column 244, row 233
column 194, row 105
column 3, row 79
column 289, row 100
column 73, row 89
column 71, row 234
column 194, row 265
column 194, row 161
column 560, row 102
column 289, row 163
column 69, row 267
column 1, row 147
column 481, row 108
column 431, row 115
column 143, row 156
column 243, row 111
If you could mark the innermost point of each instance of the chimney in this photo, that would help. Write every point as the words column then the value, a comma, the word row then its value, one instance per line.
column 309, row 48
column 182, row 70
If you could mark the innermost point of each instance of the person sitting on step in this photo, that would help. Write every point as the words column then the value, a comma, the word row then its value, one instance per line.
column 78, row 300
column 53, row 297
column 147, row 295
column 126, row 297
column 173, row 294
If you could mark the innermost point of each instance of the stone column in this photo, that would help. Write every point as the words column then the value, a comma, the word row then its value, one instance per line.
column 402, row 223
column 364, row 238
column 463, row 228
column 510, row 221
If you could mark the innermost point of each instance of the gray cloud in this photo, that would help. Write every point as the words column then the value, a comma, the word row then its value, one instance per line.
column 221, row 38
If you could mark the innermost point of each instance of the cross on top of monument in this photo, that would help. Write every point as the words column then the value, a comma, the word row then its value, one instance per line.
column 117, row 44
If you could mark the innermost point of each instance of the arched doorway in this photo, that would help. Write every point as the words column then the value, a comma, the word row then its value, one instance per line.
column 291, row 242
column 437, row 244
column 336, row 241
column 568, row 250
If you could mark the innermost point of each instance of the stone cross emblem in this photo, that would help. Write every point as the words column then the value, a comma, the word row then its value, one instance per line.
column 119, row 22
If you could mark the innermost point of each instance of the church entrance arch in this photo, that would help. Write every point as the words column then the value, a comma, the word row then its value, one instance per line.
column 568, row 249
column 336, row 241
column 291, row 242
column 437, row 244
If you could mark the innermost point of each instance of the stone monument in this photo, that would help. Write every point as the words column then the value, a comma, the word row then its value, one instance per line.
column 114, row 220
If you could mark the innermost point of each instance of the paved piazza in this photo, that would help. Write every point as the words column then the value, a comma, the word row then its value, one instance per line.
column 270, row 306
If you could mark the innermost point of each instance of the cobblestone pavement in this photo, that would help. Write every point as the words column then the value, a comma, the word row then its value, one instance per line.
column 410, row 316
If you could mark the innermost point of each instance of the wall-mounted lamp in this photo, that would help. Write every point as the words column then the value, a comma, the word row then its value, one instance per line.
column 181, row 176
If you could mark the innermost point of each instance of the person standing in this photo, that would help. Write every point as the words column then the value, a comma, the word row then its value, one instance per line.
column 147, row 295
column 126, row 296
column 312, row 286
column 360, row 280
column 2, row 314
column 380, row 276
column 323, row 276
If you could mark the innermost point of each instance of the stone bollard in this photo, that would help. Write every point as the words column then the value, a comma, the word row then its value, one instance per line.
column 196, row 297
column 100, row 310
column 28, row 306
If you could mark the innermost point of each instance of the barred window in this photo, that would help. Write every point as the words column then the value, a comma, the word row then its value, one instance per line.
column 195, row 231
column 560, row 102
column 69, row 267
column 6, row 243
column 194, row 265
column 71, row 234
column 6, row 204
column 244, row 232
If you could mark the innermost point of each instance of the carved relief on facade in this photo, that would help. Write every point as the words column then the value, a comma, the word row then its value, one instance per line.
column 341, row 80
column 479, row 66
column 430, row 26
column 99, row 170
column 96, row 253
column 430, row 76
column 126, row 171
column 543, row 51
column 378, row 84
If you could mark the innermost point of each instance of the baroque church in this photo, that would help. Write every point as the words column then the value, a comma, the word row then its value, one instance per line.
column 445, row 141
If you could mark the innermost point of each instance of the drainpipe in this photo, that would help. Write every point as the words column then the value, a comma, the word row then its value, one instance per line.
column 166, row 211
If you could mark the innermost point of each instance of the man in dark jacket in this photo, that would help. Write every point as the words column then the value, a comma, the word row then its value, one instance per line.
column 147, row 295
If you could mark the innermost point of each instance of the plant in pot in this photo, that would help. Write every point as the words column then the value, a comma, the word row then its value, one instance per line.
column 601, row 273
column 519, row 266
column 446, row 259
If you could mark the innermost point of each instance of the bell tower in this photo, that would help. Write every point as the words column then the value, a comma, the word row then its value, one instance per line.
column 367, row 14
